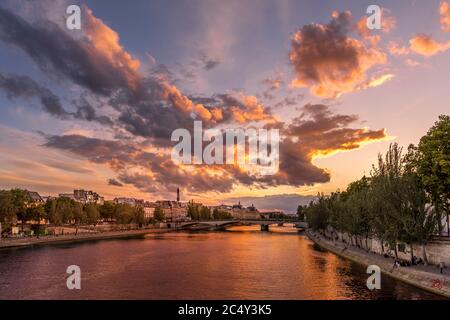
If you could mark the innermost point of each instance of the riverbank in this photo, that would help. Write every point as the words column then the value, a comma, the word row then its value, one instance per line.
column 33, row 241
column 424, row 277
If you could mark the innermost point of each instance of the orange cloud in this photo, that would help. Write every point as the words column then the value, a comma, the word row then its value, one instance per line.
column 106, row 42
column 396, row 50
column 425, row 45
column 328, row 61
column 388, row 21
column 184, row 104
column 444, row 10
column 252, row 110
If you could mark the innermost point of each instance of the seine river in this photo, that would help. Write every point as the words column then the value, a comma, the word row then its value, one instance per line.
column 242, row 263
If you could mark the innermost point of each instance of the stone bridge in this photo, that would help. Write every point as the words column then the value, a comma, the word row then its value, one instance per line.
column 223, row 224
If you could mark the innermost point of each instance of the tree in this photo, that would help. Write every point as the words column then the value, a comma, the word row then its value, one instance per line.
column 76, row 214
column 92, row 213
column 139, row 216
column 107, row 210
column 66, row 210
column 50, row 210
column 20, row 200
column 301, row 210
column 123, row 213
column 386, row 198
column 205, row 213
column 193, row 212
column 419, row 220
column 317, row 213
column 360, row 221
column 221, row 215
column 403, row 200
column 36, row 213
column 7, row 209
column 431, row 161
column 159, row 214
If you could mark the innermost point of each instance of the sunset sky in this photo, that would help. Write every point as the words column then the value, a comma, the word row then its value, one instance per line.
column 95, row 108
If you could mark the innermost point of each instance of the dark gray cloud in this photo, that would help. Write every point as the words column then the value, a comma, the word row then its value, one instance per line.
column 54, row 51
column 202, row 62
column 85, row 111
column 115, row 183
column 317, row 130
column 24, row 87
column 211, row 64
column 17, row 86
column 165, row 175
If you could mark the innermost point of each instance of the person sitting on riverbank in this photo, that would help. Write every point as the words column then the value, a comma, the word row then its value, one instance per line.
column 441, row 267
column 396, row 265
column 416, row 261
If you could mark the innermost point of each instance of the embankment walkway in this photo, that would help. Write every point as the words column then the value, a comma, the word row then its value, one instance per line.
column 428, row 278
column 31, row 241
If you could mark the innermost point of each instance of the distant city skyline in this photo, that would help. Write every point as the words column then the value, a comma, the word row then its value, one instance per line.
column 285, row 203
column 94, row 108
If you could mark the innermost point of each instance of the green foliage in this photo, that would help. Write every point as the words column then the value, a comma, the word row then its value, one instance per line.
column 205, row 213
column 19, row 200
column 221, row 215
column 36, row 213
column 159, row 214
column 7, row 208
column 92, row 213
column 197, row 212
column 107, row 210
column 301, row 212
column 139, row 215
column 318, row 213
column 124, row 213
column 431, row 161
column 393, row 204
column 193, row 212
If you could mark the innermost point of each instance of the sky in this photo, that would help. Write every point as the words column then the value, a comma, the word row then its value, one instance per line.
column 95, row 108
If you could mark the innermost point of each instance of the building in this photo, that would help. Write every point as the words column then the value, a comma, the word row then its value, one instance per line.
column 149, row 210
column 277, row 214
column 130, row 201
column 35, row 198
column 173, row 210
column 238, row 211
column 85, row 197
column 67, row 195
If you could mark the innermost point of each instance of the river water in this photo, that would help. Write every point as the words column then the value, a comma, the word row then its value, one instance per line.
column 241, row 263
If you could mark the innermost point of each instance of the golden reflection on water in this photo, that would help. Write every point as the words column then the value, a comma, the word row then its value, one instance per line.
column 241, row 263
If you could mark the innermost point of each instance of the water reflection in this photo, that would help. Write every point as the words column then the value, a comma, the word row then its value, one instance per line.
column 241, row 263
